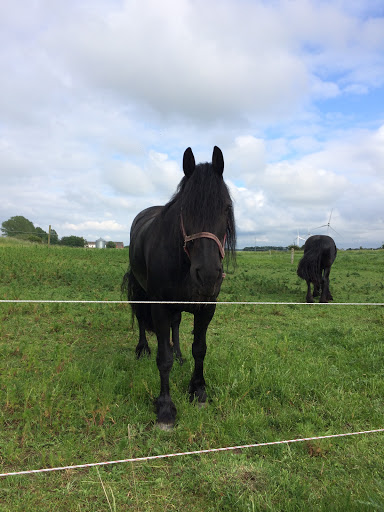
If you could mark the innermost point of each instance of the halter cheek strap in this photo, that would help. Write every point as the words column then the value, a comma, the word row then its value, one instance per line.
column 202, row 234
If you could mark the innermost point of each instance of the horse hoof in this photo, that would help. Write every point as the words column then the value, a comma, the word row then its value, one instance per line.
column 202, row 405
column 165, row 412
column 199, row 395
column 140, row 353
column 165, row 427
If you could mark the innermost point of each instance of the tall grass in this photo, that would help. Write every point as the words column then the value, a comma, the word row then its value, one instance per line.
column 71, row 390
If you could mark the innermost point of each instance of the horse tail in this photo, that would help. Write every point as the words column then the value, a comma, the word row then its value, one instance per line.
column 131, row 288
column 309, row 267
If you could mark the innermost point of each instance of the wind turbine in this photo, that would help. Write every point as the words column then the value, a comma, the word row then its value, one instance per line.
column 328, row 225
column 298, row 238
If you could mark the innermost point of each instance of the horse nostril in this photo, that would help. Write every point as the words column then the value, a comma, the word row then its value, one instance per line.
column 204, row 278
column 198, row 276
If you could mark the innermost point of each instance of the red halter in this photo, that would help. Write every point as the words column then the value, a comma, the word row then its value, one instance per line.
column 202, row 234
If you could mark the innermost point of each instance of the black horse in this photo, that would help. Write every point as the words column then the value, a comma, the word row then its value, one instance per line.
column 315, row 266
column 176, row 255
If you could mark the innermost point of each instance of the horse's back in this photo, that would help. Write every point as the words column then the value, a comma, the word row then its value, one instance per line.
column 144, row 219
column 140, row 240
column 319, row 242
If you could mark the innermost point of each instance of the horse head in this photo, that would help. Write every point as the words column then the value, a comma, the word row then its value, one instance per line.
column 207, row 222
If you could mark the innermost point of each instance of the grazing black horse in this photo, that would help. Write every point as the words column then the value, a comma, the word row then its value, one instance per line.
column 315, row 266
column 176, row 254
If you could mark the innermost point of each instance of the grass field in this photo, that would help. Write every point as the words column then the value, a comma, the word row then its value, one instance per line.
column 72, row 392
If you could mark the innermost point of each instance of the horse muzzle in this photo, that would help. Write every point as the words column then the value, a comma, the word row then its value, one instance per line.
column 206, row 282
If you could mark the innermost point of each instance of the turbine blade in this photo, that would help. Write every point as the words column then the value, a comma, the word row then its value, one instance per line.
column 318, row 227
column 336, row 231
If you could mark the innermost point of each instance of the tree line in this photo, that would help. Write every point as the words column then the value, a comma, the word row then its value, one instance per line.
column 266, row 248
column 22, row 228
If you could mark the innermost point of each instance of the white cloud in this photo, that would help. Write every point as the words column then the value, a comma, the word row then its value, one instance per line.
column 109, row 225
column 245, row 159
column 358, row 154
column 184, row 58
column 324, row 90
column 297, row 182
column 157, row 174
column 129, row 179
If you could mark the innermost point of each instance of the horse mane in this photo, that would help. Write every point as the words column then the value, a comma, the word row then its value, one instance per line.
column 200, row 197
column 309, row 267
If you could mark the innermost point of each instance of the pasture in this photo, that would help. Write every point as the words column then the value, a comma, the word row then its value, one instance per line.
column 72, row 391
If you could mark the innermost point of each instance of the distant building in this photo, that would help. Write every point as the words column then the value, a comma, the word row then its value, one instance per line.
column 100, row 243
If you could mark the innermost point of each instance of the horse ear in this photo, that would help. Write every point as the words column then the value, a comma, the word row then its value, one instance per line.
column 218, row 161
column 188, row 162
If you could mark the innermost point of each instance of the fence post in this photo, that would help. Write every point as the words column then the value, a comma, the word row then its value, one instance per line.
column 292, row 255
column 49, row 235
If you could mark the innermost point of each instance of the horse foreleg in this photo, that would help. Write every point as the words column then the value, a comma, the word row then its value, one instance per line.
column 309, row 297
column 199, row 348
column 165, row 408
column 175, row 324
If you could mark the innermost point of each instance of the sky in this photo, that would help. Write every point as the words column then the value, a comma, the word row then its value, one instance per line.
column 100, row 98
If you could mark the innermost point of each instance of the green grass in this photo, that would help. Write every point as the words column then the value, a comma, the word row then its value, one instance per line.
column 71, row 390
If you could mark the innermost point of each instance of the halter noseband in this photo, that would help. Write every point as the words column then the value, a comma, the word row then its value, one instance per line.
column 202, row 234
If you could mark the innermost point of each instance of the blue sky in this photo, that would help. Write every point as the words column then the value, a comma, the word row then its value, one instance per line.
column 99, row 100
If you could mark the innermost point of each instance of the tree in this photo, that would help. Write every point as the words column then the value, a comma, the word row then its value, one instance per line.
column 111, row 245
column 18, row 225
column 42, row 234
column 73, row 241
column 54, row 237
